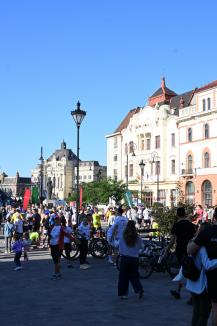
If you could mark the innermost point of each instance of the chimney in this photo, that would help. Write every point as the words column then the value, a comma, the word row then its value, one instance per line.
column 163, row 85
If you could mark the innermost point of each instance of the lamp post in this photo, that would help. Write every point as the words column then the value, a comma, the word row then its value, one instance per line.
column 41, row 176
column 78, row 116
column 132, row 147
column 156, row 160
column 142, row 165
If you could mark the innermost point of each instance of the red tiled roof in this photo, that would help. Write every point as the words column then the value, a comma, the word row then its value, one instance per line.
column 210, row 85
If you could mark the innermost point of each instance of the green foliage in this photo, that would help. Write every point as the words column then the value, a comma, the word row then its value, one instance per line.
column 99, row 192
column 166, row 217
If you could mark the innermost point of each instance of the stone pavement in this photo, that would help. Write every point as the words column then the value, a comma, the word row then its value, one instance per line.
column 83, row 297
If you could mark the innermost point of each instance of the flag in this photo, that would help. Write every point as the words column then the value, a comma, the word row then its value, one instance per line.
column 128, row 197
column 26, row 198
column 81, row 197
column 35, row 197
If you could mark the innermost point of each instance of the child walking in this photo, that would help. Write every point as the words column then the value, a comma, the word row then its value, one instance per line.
column 84, row 232
column 26, row 245
column 17, row 248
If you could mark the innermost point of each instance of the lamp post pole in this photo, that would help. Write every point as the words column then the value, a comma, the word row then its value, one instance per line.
column 41, row 176
column 156, row 160
column 132, row 147
column 78, row 116
column 142, row 165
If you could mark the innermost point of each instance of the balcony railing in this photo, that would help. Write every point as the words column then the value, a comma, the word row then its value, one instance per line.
column 187, row 172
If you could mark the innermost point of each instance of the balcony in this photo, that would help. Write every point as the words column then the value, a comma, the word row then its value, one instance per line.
column 187, row 172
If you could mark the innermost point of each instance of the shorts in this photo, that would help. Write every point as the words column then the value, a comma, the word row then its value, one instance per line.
column 212, row 284
column 56, row 253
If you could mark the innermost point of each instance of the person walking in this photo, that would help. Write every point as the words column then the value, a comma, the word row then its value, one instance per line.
column 84, row 235
column 208, row 239
column 129, row 247
column 17, row 248
column 8, row 234
column 182, row 232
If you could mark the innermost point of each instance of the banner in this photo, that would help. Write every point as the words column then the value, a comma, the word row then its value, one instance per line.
column 35, row 197
column 81, row 197
column 128, row 197
column 26, row 198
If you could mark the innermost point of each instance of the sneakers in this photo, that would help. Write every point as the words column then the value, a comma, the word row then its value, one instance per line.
column 141, row 295
column 175, row 294
column 110, row 261
column 84, row 266
column 56, row 277
column 124, row 297
column 18, row 268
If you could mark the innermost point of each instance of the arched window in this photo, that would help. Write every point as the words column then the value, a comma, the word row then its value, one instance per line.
column 209, row 103
column 190, row 164
column 206, row 130
column 189, row 192
column 190, row 134
column 206, row 160
column 207, row 193
column 204, row 105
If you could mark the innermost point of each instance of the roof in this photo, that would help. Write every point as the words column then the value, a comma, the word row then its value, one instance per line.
column 207, row 86
column 160, row 92
column 187, row 96
column 60, row 153
column 126, row 120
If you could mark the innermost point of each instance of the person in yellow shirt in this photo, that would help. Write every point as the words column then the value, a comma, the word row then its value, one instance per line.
column 96, row 219
column 15, row 216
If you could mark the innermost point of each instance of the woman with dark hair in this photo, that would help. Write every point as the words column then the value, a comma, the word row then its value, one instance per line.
column 129, row 247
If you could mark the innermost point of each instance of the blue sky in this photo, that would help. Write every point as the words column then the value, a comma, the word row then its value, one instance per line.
column 108, row 54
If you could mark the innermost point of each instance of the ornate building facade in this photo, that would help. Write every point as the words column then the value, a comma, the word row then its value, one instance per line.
column 157, row 134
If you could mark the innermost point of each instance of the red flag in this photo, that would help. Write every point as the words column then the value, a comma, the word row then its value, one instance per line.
column 26, row 198
column 81, row 197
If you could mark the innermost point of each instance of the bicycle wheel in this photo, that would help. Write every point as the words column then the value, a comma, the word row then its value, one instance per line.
column 74, row 253
column 146, row 267
column 172, row 265
column 100, row 248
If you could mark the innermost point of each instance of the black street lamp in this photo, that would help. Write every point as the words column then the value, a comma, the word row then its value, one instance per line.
column 130, row 148
column 156, row 160
column 78, row 116
column 41, row 176
column 142, row 165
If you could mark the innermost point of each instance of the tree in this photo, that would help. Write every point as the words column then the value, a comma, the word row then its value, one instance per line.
column 100, row 191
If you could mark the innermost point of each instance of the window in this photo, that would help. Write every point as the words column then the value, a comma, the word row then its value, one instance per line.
column 204, row 105
column 206, row 160
column 209, row 103
column 189, row 192
column 115, row 157
column 131, row 170
column 206, row 130
column 142, row 143
column 207, row 193
column 189, row 164
column 148, row 143
column 189, row 134
column 89, row 177
column 131, row 145
column 115, row 142
column 157, row 141
column 173, row 166
column 157, row 168
column 173, row 141
column 85, row 177
column 115, row 173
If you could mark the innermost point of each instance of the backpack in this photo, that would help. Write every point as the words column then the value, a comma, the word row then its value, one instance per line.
column 189, row 269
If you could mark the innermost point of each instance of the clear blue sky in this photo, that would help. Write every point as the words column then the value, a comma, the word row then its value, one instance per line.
column 109, row 54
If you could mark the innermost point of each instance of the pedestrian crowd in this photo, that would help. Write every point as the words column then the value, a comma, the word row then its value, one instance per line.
column 193, row 236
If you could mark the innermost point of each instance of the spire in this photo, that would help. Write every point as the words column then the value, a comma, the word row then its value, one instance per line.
column 163, row 85
column 63, row 145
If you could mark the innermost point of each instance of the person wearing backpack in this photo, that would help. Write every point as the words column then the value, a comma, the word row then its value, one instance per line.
column 208, row 239
column 194, row 270
column 182, row 232
column 8, row 234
